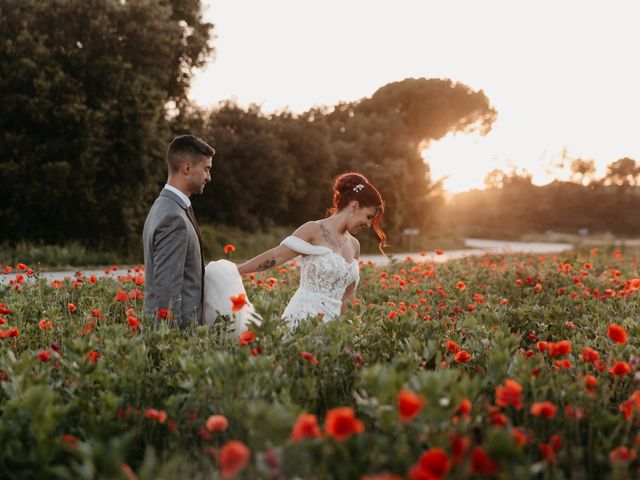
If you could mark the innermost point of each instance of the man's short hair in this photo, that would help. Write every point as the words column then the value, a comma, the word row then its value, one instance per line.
column 184, row 146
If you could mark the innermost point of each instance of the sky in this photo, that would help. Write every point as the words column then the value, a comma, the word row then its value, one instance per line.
column 563, row 75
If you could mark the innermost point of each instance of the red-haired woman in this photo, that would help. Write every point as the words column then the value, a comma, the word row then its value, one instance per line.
column 330, row 252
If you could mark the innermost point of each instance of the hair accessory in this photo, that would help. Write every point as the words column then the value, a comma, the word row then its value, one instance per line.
column 358, row 187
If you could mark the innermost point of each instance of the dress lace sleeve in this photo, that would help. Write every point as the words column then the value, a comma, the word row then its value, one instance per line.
column 303, row 247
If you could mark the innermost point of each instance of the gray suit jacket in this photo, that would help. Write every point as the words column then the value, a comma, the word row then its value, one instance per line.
column 173, row 262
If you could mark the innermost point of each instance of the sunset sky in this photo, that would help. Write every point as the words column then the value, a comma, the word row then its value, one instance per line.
column 561, row 74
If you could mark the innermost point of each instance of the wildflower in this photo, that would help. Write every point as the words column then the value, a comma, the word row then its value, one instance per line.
column 519, row 436
column 233, row 458
column 482, row 463
column 72, row 308
column 217, row 423
column 409, row 404
column 44, row 355
column 590, row 383
column 439, row 252
column 70, row 441
column 121, row 296
column 560, row 348
column 452, row 346
column 247, row 337
column 94, row 356
column 238, row 302
column 538, row 288
column 164, row 315
column 44, row 324
column 589, row 355
column 433, row 465
column 22, row 267
column 462, row 357
column 617, row 333
column 341, row 423
column 509, row 394
column 464, row 409
column 306, row 427
column 229, row 248
column 620, row 368
column 622, row 454
column 460, row 285
column 544, row 409
column 310, row 357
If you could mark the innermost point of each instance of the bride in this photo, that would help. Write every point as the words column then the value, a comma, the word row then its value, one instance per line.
column 328, row 266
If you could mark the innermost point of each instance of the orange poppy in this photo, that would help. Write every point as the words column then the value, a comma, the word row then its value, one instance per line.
column 509, row 394
column 341, row 423
column 544, row 409
column 306, row 427
column 617, row 333
column 409, row 404
column 233, row 458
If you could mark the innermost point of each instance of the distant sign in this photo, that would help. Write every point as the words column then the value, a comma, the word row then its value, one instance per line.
column 411, row 232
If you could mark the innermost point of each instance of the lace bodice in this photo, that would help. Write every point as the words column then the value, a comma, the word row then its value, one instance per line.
column 324, row 277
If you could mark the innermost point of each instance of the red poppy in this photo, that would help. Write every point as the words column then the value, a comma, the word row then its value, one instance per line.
column 617, row 333
column 217, row 423
column 590, row 383
column 542, row 346
column 44, row 324
column 238, row 302
column 341, row 423
column 460, row 285
column 452, row 346
column 164, row 315
column 310, row 357
column 544, row 409
column 22, row 266
column 233, row 458
column 622, row 454
column 462, row 356
column 409, row 404
column 229, row 248
column 44, row 355
column 71, row 307
column 306, row 427
column 620, row 368
column 482, row 463
column 122, row 296
column 632, row 403
column 589, row 355
column 433, row 465
column 94, row 356
column 560, row 348
column 538, row 288
column 439, row 252
column 247, row 337
column 520, row 436
column 464, row 408
column 509, row 394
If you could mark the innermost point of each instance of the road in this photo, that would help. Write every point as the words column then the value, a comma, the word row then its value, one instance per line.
column 476, row 247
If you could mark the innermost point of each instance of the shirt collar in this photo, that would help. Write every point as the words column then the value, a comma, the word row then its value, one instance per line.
column 182, row 196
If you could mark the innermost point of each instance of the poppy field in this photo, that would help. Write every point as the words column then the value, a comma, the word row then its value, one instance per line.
column 490, row 367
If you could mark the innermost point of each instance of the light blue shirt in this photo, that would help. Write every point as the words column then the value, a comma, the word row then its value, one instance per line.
column 182, row 196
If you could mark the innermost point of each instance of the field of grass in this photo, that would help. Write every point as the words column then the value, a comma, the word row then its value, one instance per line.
column 507, row 367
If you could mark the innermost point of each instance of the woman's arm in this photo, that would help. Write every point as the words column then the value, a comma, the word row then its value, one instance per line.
column 271, row 258
column 277, row 255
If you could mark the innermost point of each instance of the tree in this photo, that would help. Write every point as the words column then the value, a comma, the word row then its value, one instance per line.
column 582, row 170
column 623, row 172
column 84, row 128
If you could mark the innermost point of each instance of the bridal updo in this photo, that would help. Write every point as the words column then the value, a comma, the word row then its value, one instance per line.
column 352, row 186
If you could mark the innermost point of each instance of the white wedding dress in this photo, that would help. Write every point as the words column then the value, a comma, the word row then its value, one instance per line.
column 324, row 277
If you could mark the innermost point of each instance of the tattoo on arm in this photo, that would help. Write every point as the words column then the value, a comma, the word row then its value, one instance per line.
column 266, row 265
column 325, row 233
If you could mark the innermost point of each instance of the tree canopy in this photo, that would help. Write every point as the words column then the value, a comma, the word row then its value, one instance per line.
column 84, row 84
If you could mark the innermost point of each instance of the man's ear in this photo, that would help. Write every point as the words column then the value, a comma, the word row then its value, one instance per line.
column 185, row 168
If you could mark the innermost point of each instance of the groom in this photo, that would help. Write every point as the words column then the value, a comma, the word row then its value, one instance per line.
column 173, row 261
